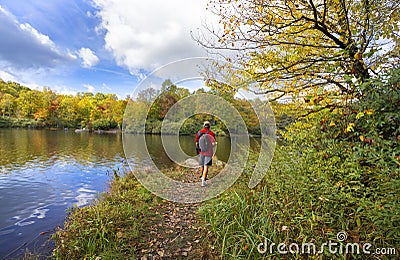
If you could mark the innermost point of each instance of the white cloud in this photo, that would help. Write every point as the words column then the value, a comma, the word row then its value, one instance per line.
column 143, row 35
column 22, row 46
column 64, row 90
column 105, row 86
column 89, row 59
column 26, row 77
column 71, row 55
column 33, row 85
column 90, row 88
column 6, row 76
column 41, row 38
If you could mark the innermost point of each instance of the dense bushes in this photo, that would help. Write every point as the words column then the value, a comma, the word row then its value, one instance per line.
column 104, row 124
column 189, row 127
column 314, row 189
column 337, row 170
column 20, row 123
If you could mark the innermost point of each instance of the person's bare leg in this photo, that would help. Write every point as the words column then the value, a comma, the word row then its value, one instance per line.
column 205, row 172
column 201, row 171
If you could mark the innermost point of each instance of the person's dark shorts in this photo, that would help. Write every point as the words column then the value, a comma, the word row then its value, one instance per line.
column 205, row 160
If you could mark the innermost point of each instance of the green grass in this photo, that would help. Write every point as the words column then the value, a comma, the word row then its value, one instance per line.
column 315, row 188
column 108, row 227
column 293, row 206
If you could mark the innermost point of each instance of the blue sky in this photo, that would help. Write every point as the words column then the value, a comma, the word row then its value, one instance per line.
column 95, row 45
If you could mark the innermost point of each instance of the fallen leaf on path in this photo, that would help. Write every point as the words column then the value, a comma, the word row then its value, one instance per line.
column 161, row 252
column 188, row 249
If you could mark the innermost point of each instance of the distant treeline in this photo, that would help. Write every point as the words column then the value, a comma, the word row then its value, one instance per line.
column 24, row 107
column 155, row 103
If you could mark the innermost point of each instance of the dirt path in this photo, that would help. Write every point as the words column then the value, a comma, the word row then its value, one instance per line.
column 174, row 231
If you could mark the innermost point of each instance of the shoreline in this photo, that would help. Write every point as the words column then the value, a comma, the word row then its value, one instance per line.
column 129, row 221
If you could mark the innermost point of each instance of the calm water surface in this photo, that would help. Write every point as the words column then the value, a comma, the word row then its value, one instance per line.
column 43, row 173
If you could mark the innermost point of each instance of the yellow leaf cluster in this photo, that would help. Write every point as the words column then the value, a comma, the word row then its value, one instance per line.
column 359, row 115
column 358, row 56
column 306, row 42
column 349, row 128
column 369, row 111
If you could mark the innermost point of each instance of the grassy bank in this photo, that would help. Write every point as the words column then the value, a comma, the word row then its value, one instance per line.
column 107, row 228
column 128, row 222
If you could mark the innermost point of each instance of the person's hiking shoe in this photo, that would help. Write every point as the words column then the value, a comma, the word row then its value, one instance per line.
column 203, row 182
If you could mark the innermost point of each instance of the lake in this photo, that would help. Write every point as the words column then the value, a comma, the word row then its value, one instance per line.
column 43, row 173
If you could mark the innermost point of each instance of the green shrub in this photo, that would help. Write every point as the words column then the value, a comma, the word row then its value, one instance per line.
column 104, row 124
column 4, row 122
column 314, row 189
column 21, row 123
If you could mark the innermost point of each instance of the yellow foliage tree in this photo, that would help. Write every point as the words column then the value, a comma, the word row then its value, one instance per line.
column 307, row 49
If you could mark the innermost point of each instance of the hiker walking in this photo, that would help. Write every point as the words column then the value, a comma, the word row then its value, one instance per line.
column 205, row 142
